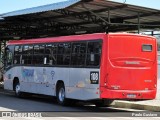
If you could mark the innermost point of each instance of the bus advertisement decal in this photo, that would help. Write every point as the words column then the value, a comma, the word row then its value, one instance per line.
column 28, row 72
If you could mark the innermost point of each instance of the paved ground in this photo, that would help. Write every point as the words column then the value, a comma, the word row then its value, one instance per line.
column 48, row 107
column 10, row 103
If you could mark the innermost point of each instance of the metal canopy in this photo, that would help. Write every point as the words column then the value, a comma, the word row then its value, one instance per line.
column 77, row 17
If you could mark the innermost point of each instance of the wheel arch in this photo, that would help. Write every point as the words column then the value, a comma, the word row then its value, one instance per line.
column 58, row 83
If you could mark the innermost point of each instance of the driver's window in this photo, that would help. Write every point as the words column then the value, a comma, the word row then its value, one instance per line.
column 9, row 57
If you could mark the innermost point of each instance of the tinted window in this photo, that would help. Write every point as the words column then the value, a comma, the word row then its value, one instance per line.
column 63, row 54
column 74, row 54
column 39, row 49
column 17, row 54
column 93, row 53
column 27, row 54
column 38, row 56
column 78, row 54
column 51, row 54
column 147, row 48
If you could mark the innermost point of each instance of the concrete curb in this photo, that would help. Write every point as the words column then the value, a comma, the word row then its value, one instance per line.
column 134, row 105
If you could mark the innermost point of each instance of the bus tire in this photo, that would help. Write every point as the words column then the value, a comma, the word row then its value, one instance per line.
column 17, row 89
column 61, row 94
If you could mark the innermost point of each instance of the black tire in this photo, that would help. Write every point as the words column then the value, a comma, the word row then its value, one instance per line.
column 17, row 88
column 61, row 94
column 103, row 103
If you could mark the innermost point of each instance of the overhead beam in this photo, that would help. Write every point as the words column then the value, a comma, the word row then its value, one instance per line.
column 141, row 15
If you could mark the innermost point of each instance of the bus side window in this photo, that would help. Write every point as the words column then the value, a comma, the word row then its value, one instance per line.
column 63, row 54
column 17, row 54
column 38, row 55
column 93, row 53
column 67, row 53
column 50, row 54
column 27, row 54
column 24, row 55
column 78, row 53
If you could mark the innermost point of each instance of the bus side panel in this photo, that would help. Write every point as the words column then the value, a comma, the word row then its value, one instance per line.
column 8, row 80
column 45, row 78
column 39, row 80
column 42, row 80
column 80, row 85
column 9, row 77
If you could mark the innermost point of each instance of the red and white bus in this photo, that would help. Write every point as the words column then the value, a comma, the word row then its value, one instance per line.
column 94, row 67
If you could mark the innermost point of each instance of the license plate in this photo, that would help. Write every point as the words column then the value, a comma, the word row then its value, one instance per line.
column 131, row 96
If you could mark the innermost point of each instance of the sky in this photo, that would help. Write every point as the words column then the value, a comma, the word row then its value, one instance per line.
column 12, row 5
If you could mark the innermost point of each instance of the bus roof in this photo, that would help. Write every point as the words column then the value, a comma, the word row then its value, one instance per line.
column 82, row 37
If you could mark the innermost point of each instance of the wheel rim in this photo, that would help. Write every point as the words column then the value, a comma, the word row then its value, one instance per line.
column 17, row 89
column 61, row 95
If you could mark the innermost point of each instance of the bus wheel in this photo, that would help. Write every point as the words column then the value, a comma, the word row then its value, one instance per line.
column 17, row 90
column 61, row 94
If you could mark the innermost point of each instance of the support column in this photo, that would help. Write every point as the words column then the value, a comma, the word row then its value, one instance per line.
column 152, row 33
column 2, row 52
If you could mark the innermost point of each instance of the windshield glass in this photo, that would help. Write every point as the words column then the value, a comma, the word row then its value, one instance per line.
column 9, row 57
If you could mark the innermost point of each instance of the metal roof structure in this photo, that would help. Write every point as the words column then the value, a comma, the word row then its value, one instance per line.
column 77, row 17
column 55, row 6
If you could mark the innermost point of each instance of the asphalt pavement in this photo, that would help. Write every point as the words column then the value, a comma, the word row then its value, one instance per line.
column 47, row 107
